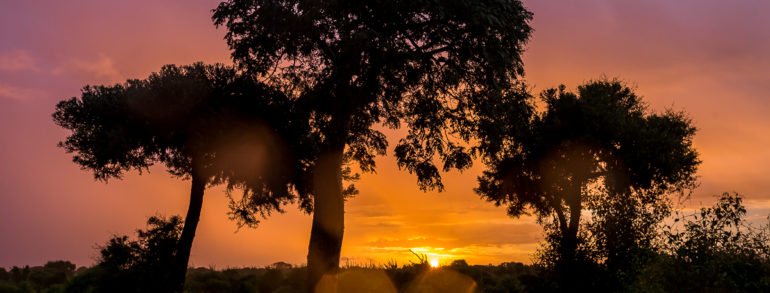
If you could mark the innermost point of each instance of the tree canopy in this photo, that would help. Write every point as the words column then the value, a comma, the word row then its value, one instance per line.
column 185, row 117
column 432, row 65
column 204, row 122
column 601, row 140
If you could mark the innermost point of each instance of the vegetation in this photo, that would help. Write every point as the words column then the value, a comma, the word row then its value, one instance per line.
column 715, row 250
column 50, row 276
column 438, row 66
column 598, row 149
column 711, row 250
column 311, row 84
column 204, row 122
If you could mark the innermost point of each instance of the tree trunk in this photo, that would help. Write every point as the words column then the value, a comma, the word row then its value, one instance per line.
column 323, row 256
column 184, row 245
column 568, row 268
column 569, row 239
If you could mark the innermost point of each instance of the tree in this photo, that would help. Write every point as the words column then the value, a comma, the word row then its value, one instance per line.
column 352, row 65
column 141, row 265
column 717, row 250
column 204, row 122
column 602, row 141
column 624, row 231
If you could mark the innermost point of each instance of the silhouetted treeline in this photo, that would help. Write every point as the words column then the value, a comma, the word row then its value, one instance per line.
column 711, row 250
column 38, row 278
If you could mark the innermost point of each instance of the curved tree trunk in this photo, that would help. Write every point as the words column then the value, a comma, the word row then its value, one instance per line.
column 323, row 256
column 184, row 245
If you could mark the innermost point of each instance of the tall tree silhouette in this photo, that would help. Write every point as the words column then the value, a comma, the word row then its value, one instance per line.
column 435, row 65
column 205, row 123
column 601, row 139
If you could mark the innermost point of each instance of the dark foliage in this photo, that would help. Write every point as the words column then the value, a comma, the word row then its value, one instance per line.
column 433, row 64
column 207, row 123
column 142, row 265
column 47, row 278
column 712, row 250
column 438, row 66
column 717, row 251
column 599, row 149
column 198, row 118
column 268, row 279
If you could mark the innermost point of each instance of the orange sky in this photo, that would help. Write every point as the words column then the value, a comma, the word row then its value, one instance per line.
column 710, row 58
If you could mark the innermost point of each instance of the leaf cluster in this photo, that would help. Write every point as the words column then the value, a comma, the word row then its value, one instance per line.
column 198, row 120
column 600, row 137
column 435, row 65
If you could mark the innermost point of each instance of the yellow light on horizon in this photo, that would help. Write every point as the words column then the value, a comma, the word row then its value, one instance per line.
column 433, row 262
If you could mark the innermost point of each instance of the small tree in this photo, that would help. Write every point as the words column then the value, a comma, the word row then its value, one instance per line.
column 204, row 122
column 600, row 140
column 716, row 250
column 142, row 264
column 439, row 66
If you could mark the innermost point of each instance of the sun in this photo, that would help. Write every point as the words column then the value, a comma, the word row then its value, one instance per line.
column 433, row 263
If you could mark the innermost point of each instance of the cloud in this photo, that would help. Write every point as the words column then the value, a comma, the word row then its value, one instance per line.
column 458, row 235
column 475, row 253
column 101, row 69
column 17, row 60
column 18, row 93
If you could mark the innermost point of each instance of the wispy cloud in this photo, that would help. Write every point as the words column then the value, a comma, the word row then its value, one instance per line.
column 17, row 60
column 18, row 93
column 100, row 69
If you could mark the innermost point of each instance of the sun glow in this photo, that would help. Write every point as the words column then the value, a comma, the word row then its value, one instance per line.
column 428, row 255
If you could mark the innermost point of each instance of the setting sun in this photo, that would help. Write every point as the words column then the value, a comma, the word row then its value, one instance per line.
column 433, row 262
column 429, row 255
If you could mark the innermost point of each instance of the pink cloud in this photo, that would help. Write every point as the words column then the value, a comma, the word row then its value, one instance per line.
column 101, row 69
column 19, row 93
column 17, row 60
